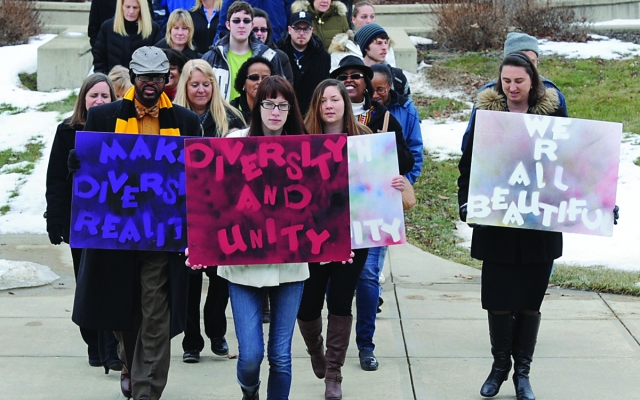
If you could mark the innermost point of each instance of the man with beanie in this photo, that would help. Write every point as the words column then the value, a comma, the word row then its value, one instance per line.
column 309, row 60
column 373, row 41
column 518, row 42
column 140, row 295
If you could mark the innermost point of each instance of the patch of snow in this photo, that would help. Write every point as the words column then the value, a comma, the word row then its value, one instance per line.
column 17, row 274
column 610, row 49
column 619, row 22
column 419, row 40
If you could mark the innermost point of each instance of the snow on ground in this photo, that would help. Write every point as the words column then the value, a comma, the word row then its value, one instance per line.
column 444, row 138
column 14, row 274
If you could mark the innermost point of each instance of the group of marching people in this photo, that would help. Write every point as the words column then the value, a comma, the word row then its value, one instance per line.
column 227, row 69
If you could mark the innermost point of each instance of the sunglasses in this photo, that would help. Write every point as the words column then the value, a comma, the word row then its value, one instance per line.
column 236, row 21
column 154, row 79
column 256, row 77
column 344, row 77
column 262, row 30
column 267, row 105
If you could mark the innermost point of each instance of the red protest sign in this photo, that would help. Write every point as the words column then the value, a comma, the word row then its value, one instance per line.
column 262, row 200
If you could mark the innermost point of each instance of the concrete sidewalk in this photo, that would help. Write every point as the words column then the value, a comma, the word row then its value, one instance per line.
column 432, row 341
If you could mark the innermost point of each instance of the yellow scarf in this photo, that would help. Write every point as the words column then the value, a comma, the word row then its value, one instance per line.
column 127, row 122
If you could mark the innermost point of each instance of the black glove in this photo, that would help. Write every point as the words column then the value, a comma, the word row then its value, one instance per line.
column 56, row 233
column 616, row 214
column 73, row 162
column 463, row 212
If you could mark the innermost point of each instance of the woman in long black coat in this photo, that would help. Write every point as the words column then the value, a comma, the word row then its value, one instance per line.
column 130, row 29
column 516, row 263
column 96, row 90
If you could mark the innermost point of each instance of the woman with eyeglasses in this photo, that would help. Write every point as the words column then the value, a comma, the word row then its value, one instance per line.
column 263, row 31
column 179, row 36
column 329, row 18
column 205, row 16
column 275, row 113
column 331, row 112
column 250, row 74
column 356, row 77
column 130, row 29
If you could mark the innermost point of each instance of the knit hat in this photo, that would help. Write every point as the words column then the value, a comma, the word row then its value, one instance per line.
column 517, row 41
column 366, row 34
column 149, row 60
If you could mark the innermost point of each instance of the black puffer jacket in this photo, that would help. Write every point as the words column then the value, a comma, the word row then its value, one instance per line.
column 309, row 70
column 203, row 31
column 241, row 104
column 209, row 128
column 113, row 49
column 59, row 184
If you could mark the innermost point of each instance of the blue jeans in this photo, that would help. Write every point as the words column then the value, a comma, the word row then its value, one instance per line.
column 367, row 293
column 246, row 305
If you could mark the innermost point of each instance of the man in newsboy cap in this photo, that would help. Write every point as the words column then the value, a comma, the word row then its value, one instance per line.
column 140, row 295
column 518, row 42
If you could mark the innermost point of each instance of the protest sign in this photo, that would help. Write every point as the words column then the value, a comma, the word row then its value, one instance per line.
column 545, row 173
column 263, row 200
column 129, row 193
column 377, row 217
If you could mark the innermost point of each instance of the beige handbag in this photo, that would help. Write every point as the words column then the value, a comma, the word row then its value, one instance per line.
column 408, row 195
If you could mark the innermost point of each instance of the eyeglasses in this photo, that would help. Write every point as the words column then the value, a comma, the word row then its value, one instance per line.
column 256, row 77
column 301, row 30
column 381, row 90
column 344, row 77
column 236, row 21
column 262, row 30
column 268, row 105
column 154, row 79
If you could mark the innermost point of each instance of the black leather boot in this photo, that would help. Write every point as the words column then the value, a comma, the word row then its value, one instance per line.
column 524, row 343
column 501, row 334
column 250, row 394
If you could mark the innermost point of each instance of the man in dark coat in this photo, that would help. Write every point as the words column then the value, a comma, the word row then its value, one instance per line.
column 141, row 295
column 309, row 60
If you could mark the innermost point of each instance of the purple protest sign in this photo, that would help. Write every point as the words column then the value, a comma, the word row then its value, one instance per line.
column 545, row 173
column 129, row 193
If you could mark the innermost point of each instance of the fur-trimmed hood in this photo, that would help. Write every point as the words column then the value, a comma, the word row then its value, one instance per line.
column 490, row 99
column 336, row 7
column 344, row 42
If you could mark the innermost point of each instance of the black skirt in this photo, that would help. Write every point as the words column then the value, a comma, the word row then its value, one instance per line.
column 514, row 287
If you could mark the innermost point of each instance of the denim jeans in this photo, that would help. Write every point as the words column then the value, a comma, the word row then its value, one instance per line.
column 367, row 293
column 246, row 305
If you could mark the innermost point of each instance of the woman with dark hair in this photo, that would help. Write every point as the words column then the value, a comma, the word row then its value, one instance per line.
column 176, row 63
column 130, row 29
column 356, row 77
column 331, row 112
column 179, row 36
column 516, row 263
column 276, row 113
column 249, row 76
column 263, row 31
column 95, row 90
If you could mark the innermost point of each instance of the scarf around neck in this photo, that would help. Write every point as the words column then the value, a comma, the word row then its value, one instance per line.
column 127, row 122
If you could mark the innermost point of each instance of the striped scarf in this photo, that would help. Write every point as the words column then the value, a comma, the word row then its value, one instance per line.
column 365, row 118
column 127, row 122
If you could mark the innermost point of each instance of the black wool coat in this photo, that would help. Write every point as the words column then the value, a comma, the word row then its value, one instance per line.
column 59, row 183
column 106, row 283
column 111, row 49
column 509, row 245
column 376, row 123
column 203, row 31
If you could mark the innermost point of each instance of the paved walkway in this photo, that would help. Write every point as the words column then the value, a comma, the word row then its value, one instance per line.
column 432, row 341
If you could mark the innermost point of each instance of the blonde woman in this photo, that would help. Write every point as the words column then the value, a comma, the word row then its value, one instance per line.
column 199, row 92
column 121, row 80
column 130, row 29
column 206, row 16
column 179, row 34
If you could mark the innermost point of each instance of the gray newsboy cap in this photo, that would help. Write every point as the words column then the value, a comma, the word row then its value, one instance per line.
column 149, row 60
column 517, row 41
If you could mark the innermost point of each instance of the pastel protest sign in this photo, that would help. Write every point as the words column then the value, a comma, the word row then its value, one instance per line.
column 545, row 173
column 260, row 200
column 377, row 218
column 129, row 193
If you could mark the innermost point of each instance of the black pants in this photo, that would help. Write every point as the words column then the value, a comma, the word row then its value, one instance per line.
column 342, row 280
column 215, row 306
column 102, row 346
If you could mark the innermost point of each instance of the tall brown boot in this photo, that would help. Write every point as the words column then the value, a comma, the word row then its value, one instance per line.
column 312, row 333
column 338, row 333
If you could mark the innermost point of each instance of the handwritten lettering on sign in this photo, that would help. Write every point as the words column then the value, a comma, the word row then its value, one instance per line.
column 546, row 173
column 377, row 217
column 262, row 200
column 129, row 193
